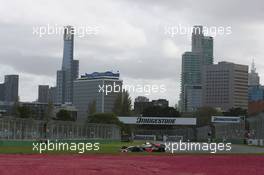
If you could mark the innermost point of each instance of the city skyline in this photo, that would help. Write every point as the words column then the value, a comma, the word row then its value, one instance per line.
column 138, row 41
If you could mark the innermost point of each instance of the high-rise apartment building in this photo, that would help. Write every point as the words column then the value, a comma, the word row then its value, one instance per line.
column 43, row 93
column 70, row 69
column 47, row 94
column 225, row 86
column 141, row 103
column 193, row 97
column 192, row 63
column 52, row 95
column 91, row 89
column 11, row 88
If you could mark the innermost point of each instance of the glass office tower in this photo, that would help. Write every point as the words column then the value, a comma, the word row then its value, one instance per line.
column 70, row 68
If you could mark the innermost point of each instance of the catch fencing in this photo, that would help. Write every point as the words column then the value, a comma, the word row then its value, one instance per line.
column 202, row 133
column 28, row 129
column 234, row 132
column 230, row 131
column 256, row 127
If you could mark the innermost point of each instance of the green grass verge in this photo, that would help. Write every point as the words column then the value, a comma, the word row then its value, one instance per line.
column 26, row 147
column 106, row 147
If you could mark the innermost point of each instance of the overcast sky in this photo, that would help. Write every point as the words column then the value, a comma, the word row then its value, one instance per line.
column 130, row 39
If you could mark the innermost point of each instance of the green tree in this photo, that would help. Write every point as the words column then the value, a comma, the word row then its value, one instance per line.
column 49, row 112
column 236, row 112
column 15, row 108
column 106, row 118
column 118, row 104
column 122, row 105
column 109, row 118
column 64, row 115
column 48, row 115
column 126, row 105
column 158, row 111
column 24, row 112
column 204, row 115
column 92, row 108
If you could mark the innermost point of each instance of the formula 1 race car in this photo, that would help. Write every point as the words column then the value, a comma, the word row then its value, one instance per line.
column 147, row 147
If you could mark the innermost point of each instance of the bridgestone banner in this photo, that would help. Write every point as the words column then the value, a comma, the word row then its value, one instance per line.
column 227, row 119
column 157, row 121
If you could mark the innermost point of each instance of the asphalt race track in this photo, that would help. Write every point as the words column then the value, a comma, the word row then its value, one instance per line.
column 131, row 164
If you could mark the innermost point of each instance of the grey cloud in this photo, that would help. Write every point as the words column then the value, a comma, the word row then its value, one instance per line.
column 132, row 39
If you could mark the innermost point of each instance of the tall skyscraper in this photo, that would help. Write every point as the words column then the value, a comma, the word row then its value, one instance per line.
column 225, row 85
column 202, row 45
column 70, row 69
column 192, row 63
column 11, row 88
column 60, row 86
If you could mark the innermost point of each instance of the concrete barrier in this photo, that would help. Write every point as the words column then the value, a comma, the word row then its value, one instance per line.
column 261, row 142
column 252, row 142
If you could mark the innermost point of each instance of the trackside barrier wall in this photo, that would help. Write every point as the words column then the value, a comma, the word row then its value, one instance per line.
column 185, row 133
